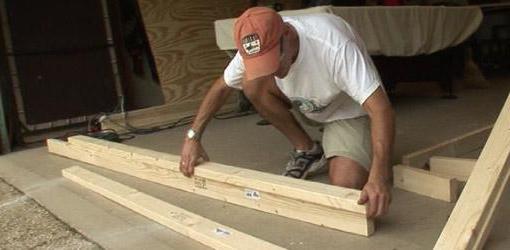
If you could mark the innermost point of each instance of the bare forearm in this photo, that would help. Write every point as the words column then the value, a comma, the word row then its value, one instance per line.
column 382, row 122
column 214, row 99
column 383, row 133
column 382, row 126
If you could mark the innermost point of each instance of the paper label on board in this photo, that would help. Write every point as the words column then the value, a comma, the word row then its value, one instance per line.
column 252, row 194
column 222, row 232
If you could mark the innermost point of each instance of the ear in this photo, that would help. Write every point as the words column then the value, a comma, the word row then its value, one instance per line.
column 286, row 29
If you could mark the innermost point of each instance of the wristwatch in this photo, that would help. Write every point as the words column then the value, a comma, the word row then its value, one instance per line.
column 192, row 134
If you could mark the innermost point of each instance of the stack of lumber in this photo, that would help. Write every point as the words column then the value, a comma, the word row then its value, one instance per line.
column 316, row 203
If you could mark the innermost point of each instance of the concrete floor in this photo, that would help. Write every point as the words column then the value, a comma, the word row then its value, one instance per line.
column 414, row 221
column 27, row 225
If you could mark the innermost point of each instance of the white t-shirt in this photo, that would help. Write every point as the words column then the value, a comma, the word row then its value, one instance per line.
column 332, row 75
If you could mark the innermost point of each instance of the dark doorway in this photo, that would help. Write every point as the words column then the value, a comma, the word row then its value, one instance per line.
column 61, row 52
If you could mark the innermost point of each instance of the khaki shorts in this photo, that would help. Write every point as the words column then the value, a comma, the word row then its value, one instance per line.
column 349, row 138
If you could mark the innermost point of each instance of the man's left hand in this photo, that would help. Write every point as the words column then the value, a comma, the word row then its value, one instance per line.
column 378, row 195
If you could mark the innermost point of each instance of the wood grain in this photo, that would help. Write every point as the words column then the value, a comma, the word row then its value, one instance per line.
column 459, row 168
column 471, row 220
column 434, row 185
column 182, row 40
column 316, row 203
column 454, row 147
column 182, row 221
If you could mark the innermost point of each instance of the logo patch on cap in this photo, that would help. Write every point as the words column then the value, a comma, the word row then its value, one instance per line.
column 251, row 44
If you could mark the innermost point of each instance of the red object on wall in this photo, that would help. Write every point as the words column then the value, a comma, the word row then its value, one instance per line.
column 392, row 2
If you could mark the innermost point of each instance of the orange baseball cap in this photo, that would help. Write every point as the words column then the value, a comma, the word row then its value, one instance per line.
column 257, row 33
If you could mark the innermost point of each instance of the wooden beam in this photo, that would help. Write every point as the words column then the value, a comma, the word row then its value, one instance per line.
column 316, row 203
column 471, row 220
column 182, row 221
column 423, row 182
column 323, row 194
column 459, row 168
column 454, row 147
column 155, row 116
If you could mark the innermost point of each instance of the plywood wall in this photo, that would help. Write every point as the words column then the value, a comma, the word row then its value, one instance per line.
column 181, row 35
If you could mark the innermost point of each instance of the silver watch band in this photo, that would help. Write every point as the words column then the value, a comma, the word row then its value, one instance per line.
column 192, row 134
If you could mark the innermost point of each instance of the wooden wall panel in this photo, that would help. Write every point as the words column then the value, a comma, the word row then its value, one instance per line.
column 181, row 35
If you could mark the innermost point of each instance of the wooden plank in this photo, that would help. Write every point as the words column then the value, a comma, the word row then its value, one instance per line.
column 156, row 116
column 454, row 147
column 327, row 195
column 426, row 183
column 316, row 203
column 471, row 220
column 459, row 168
column 182, row 221
column 181, row 37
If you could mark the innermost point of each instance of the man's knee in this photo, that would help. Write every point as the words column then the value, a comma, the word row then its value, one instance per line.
column 347, row 173
column 254, row 92
column 346, row 182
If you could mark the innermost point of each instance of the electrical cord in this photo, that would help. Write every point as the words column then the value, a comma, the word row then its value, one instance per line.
column 107, row 134
column 233, row 114
column 93, row 126
column 132, row 130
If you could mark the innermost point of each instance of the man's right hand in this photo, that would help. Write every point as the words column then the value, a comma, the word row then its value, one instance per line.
column 192, row 149
column 191, row 152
